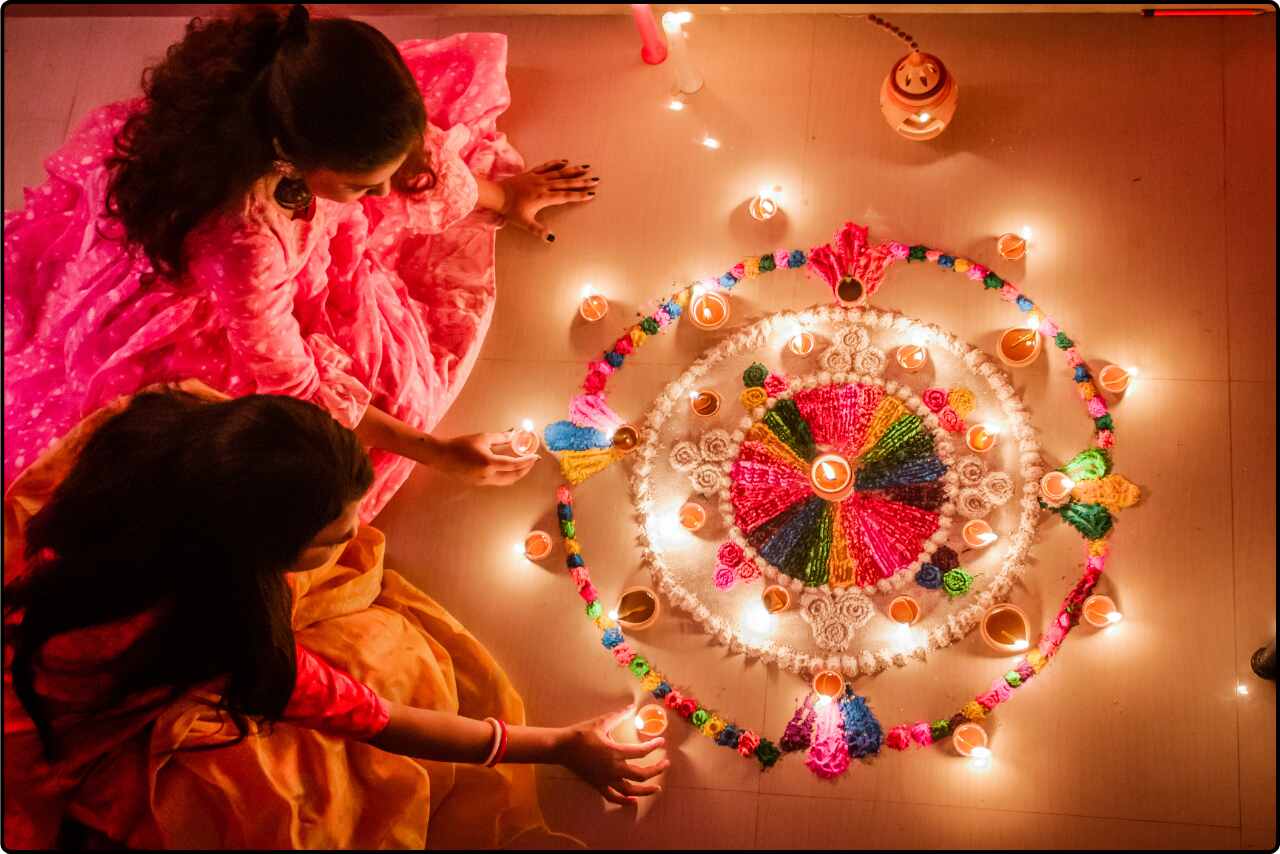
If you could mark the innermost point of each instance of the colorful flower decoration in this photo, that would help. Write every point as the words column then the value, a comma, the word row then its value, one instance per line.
column 849, row 260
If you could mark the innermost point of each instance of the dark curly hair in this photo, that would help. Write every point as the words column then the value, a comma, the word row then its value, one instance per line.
column 335, row 93
column 195, row 509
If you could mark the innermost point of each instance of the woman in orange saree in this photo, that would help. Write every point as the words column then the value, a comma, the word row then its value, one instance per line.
column 153, row 695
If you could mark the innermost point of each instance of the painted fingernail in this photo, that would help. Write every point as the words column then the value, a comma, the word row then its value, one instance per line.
column 591, row 193
column 586, row 166
column 595, row 180
column 551, row 238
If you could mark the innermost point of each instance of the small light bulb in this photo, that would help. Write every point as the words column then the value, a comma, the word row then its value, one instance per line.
column 1114, row 616
column 1068, row 483
column 683, row 17
column 587, row 290
column 711, row 142
column 526, row 425
column 822, row 701
column 518, row 548
column 1020, row 643
column 1133, row 372
column 1026, row 232
column 923, row 117
column 981, row 753
column 675, row 104
column 1242, row 689
column 639, row 722
column 613, row 614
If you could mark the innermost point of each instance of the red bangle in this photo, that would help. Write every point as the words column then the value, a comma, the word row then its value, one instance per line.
column 502, row 745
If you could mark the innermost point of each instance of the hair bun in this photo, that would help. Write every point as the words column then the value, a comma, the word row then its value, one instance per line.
column 295, row 26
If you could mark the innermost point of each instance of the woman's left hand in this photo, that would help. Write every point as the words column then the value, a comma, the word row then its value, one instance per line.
column 553, row 183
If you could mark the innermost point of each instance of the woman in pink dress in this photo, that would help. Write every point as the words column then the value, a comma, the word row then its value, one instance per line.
column 294, row 207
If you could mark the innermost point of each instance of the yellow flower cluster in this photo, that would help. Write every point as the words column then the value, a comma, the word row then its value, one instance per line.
column 1037, row 660
column 1113, row 492
column 1087, row 391
column 603, row 623
column 751, row 266
column 651, row 681
column 753, row 397
column 961, row 265
column 961, row 400
column 1098, row 548
column 973, row 711
column 571, row 546
column 713, row 727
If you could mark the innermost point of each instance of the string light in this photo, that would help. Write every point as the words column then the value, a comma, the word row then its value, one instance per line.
column 711, row 142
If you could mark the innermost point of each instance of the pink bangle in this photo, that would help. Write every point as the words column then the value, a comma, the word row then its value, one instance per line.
column 502, row 746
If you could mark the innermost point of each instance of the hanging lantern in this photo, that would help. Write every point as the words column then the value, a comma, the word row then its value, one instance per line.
column 919, row 95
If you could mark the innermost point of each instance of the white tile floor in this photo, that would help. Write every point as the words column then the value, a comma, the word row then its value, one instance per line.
column 1141, row 151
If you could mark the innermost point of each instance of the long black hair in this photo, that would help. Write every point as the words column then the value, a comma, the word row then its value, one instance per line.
column 334, row 93
column 194, row 509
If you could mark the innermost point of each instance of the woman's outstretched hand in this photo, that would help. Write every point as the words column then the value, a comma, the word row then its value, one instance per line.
column 590, row 752
column 553, row 183
column 484, row 459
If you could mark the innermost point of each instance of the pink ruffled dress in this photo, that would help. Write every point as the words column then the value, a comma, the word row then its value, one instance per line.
column 384, row 302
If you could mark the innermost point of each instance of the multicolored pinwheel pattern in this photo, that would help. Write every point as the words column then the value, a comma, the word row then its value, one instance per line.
column 880, row 528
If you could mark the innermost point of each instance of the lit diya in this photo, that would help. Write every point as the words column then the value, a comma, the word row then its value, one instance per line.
column 692, row 516
column 801, row 343
column 637, row 608
column 593, row 306
column 977, row 534
column 981, row 438
column 969, row 738
column 1005, row 628
column 709, row 310
column 537, row 545
column 1113, row 378
column 626, row 437
column 651, row 720
column 831, row 477
column 1019, row 346
column 828, row 684
column 775, row 598
column 904, row 610
column 911, row 357
column 705, row 402
column 524, row 441
column 1100, row 611
column 1056, row 488
column 763, row 206
column 1011, row 246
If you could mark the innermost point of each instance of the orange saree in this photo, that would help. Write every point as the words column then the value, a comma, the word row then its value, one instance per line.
column 287, row 787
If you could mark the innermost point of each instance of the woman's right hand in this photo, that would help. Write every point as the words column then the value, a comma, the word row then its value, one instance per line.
column 475, row 458
column 590, row 752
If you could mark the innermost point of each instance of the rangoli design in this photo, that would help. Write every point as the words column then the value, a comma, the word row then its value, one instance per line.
column 843, row 479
